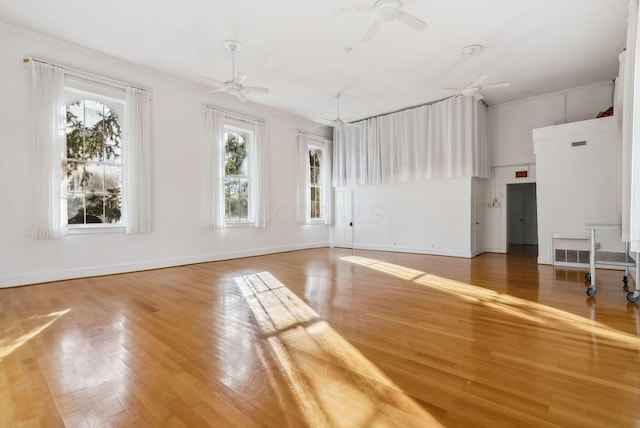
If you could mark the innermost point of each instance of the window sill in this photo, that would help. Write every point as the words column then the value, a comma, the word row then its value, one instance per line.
column 316, row 222
column 90, row 229
column 238, row 224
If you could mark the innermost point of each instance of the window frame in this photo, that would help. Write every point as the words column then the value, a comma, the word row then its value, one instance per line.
column 323, row 147
column 78, row 90
column 248, row 131
column 320, row 185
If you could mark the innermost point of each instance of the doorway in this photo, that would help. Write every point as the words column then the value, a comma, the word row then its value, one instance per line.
column 343, row 209
column 522, row 217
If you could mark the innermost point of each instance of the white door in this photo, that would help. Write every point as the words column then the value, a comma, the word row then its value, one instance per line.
column 343, row 231
column 477, row 220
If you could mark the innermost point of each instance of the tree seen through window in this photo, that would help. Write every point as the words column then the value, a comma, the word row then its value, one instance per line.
column 236, row 180
column 93, row 167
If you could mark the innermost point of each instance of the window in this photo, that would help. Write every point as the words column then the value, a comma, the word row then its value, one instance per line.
column 93, row 167
column 92, row 196
column 314, row 180
column 315, row 183
column 237, row 181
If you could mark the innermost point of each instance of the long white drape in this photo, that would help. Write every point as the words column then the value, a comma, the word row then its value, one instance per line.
column 49, row 142
column 441, row 140
column 633, row 49
column 213, row 168
column 302, row 179
column 258, row 175
column 327, row 190
column 628, row 111
column 136, row 154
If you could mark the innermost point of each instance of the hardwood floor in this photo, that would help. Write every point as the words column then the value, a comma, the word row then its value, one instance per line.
column 323, row 337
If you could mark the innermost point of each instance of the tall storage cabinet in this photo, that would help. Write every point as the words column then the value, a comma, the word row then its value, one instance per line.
column 576, row 168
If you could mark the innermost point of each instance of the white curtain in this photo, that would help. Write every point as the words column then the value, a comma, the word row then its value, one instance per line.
column 213, row 168
column 50, row 119
column 633, row 50
column 327, row 190
column 302, row 178
column 441, row 140
column 136, row 155
column 258, row 175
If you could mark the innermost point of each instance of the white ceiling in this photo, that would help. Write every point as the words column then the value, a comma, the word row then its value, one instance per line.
column 297, row 47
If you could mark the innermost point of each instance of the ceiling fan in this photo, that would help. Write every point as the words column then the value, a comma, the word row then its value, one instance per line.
column 235, row 85
column 386, row 11
column 338, row 122
column 475, row 86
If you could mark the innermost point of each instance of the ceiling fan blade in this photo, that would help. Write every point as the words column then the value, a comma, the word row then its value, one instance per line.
column 213, row 80
column 496, row 85
column 216, row 90
column 372, row 30
column 412, row 21
column 352, row 9
column 352, row 125
column 479, row 80
column 453, row 89
column 255, row 89
column 478, row 96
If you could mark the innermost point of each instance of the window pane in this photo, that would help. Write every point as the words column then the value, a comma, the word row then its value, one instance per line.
column 112, row 177
column 113, row 206
column 95, row 208
column 75, row 208
column 94, row 178
column 75, row 172
column 235, row 154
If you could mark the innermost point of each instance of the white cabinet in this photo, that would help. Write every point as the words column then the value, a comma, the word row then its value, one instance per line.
column 577, row 180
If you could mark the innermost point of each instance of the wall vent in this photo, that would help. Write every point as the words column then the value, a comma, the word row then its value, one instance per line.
column 571, row 256
column 578, row 143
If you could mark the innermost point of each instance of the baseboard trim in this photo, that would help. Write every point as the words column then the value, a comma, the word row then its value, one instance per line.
column 64, row 274
column 428, row 251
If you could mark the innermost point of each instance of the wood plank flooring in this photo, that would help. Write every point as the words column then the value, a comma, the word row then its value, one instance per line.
column 330, row 337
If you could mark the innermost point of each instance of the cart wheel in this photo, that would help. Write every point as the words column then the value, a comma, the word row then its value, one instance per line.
column 633, row 297
column 587, row 276
column 591, row 291
column 625, row 279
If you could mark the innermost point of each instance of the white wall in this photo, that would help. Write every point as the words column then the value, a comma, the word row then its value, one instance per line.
column 178, row 236
column 430, row 217
column 576, row 185
column 509, row 130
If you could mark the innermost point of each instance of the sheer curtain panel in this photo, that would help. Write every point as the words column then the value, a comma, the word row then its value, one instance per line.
column 213, row 168
column 633, row 50
column 303, row 196
column 136, row 154
column 49, row 149
column 258, row 174
column 441, row 140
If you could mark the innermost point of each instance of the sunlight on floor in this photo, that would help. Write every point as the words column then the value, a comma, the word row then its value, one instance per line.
column 9, row 345
column 513, row 306
column 332, row 383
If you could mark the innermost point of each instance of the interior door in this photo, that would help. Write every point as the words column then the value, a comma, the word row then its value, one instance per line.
column 343, row 229
column 477, row 225
column 515, row 216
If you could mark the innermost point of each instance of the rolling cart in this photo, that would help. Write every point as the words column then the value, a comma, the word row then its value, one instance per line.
column 617, row 259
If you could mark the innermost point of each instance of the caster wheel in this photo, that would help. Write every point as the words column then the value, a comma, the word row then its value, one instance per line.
column 625, row 279
column 587, row 276
column 591, row 291
column 633, row 297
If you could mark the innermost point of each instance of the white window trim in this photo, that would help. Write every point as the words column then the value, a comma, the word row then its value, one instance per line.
column 76, row 90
